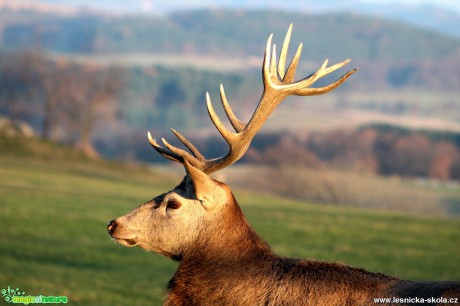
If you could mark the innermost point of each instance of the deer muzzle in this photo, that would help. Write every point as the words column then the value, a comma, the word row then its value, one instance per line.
column 125, row 241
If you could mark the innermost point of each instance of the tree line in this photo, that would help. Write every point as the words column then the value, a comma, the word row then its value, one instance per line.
column 66, row 100
column 378, row 149
column 374, row 149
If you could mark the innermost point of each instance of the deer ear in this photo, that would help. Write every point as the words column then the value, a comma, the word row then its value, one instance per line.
column 203, row 185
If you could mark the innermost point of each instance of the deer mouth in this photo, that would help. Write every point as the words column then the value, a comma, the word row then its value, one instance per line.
column 114, row 228
column 127, row 242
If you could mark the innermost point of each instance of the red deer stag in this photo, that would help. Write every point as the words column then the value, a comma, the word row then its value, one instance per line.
column 222, row 261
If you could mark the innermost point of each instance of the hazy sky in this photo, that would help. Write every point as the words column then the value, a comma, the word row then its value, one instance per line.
column 177, row 4
column 161, row 5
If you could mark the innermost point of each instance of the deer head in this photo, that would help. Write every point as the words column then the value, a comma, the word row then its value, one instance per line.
column 201, row 213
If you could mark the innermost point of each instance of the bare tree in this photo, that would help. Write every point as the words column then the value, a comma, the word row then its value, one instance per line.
column 54, row 77
column 91, row 93
column 18, row 84
column 62, row 95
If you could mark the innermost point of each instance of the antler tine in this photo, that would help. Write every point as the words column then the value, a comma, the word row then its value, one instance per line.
column 189, row 145
column 301, row 87
column 334, row 68
column 267, row 56
column 184, row 155
column 273, row 64
column 283, row 54
column 325, row 89
column 164, row 152
column 308, row 80
column 290, row 73
column 228, row 136
column 176, row 154
column 236, row 123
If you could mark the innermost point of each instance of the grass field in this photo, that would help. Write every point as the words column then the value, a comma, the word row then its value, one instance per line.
column 55, row 205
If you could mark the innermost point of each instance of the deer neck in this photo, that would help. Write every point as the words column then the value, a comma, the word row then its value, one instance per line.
column 228, row 237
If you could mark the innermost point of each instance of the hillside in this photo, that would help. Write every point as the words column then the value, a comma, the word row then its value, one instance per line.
column 223, row 32
column 407, row 76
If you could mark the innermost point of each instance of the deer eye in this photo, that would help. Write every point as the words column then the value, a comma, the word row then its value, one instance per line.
column 173, row 204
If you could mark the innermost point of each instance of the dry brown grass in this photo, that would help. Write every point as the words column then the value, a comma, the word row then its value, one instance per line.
column 348, row 188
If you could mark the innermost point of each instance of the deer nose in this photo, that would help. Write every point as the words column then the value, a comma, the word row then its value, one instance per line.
column 111, row 226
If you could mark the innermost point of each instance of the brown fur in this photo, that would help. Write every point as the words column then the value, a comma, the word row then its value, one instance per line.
column 234, row 266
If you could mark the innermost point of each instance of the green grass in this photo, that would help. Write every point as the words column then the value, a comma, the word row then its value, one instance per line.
column 404, row 246
column 55, row 205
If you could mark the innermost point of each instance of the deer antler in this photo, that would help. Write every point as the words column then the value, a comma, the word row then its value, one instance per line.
column 278, row 84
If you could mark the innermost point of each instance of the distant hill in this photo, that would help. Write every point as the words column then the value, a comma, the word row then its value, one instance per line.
column 427, row 16
column 224, row 32
column 442, row 16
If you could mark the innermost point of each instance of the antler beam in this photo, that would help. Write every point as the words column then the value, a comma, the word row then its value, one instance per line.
column 278, row 84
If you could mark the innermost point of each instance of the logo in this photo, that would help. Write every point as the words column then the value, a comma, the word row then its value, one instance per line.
column 17, row 296
column 9, row 293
